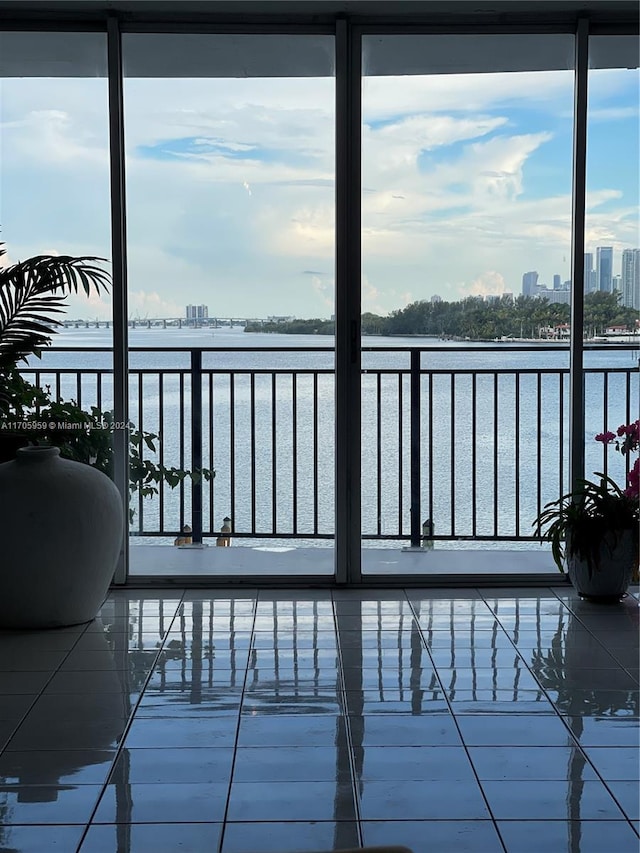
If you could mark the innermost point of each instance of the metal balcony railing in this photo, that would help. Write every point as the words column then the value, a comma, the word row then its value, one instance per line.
column 474, row 449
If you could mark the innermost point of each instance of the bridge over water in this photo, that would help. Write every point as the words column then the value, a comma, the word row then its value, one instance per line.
column 166, row 322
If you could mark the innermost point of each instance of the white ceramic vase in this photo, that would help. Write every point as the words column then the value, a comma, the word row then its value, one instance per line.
column 61, row 528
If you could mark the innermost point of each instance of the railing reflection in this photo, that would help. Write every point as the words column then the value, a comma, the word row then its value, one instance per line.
column 347, row 661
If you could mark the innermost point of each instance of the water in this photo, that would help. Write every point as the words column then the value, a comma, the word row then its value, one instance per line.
column 294, row 456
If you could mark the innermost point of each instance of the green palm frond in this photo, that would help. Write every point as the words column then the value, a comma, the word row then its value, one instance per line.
column 51, row 273
column 32, row 292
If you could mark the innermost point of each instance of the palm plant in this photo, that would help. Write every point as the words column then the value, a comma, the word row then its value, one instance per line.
column 32, row 293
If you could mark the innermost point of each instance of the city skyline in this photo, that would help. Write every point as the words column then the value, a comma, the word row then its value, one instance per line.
column 602, row 278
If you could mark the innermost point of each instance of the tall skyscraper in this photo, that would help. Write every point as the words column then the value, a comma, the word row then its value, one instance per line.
column 604, row 268
column 529, row 283
column 590, row 275
column 630, row 278
column 557, row 282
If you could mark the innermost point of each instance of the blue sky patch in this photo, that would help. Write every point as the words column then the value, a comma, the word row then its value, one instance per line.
column 198, row 146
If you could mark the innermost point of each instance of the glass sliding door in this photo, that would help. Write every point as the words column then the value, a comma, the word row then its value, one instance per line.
column 54, row 180
column 612, row 248
column 230, row 224
column 466, row 257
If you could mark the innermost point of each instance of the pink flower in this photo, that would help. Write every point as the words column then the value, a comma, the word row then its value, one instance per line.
column 626, row 441
column 633, row 481
column 631, row 430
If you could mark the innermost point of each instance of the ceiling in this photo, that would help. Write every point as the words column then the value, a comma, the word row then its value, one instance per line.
column 597, row 9
column 193, row 55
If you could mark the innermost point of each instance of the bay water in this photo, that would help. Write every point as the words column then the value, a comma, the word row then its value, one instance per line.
column 493, row 449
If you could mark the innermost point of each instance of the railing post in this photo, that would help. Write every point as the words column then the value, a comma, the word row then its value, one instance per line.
column 196, row 444
column 415, row 449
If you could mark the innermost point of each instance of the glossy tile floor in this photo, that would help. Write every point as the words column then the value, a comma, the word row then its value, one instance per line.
column 452, row 721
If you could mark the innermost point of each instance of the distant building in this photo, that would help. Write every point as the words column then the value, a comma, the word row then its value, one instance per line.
column 590, row 276
column 436, row 298
column 604, row 268
column 557, row 296
column 557, row 282
column 197, row 312
column 616, row 284
column 280, row 318
column 630, row 284
column 529, row 283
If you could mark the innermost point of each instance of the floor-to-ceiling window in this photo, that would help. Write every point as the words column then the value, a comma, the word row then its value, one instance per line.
column 54, row 200
column 466, row 238
column 612, row 246
column 230, row 207
column 230, row 227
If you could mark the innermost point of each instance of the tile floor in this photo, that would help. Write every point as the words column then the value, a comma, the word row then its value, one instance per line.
column 452, row 721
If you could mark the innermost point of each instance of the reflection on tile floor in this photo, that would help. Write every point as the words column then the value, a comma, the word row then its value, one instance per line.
column 446, row 720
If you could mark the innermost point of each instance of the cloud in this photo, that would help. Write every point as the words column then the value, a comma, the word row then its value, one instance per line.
column 386, row 97
column 493, row 168
column 308, row 231
column 488, row 283
column 95, row 306
column 325, row 290
column 371, row 297
column 613, row 113
column 409, row 135
column 56, row 138
column 451, row 166
column 596, row 198
column 150, row 304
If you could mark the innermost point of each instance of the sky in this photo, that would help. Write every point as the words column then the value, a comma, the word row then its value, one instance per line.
column 466, row 185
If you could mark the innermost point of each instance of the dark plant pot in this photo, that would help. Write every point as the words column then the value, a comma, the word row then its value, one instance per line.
column 612, row 571
column 61, row 528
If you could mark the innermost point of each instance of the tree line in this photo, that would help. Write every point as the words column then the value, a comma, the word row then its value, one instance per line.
column 476, row 319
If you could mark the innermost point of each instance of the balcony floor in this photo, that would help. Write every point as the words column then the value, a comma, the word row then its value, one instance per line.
column 440, row 566
column 266, row 721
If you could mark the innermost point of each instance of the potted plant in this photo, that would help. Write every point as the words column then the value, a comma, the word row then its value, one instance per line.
column 32, row 292
column 594, row 528
column 61, row 512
